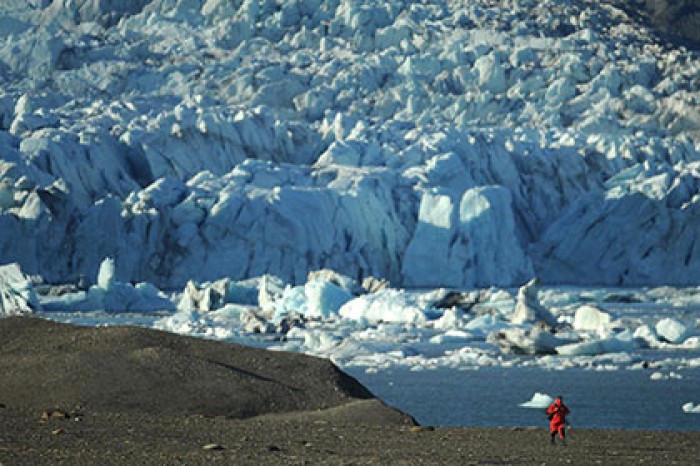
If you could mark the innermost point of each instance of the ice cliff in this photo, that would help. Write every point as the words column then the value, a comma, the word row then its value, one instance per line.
column 445, row 143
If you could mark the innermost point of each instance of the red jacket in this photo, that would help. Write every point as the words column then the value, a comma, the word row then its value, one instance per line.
column 558, row 410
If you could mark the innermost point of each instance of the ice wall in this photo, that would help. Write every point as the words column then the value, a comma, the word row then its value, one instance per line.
column 441, row 144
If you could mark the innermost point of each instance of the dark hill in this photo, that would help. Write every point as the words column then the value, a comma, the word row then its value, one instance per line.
column 48, row 365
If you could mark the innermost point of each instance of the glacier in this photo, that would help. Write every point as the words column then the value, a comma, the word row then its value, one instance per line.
column 441, row 144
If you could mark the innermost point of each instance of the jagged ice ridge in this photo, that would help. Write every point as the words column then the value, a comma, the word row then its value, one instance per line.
column 448, row 144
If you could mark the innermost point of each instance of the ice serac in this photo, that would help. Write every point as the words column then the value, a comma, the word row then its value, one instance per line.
column 644, row 224
column 474, row 244
column 17, row 294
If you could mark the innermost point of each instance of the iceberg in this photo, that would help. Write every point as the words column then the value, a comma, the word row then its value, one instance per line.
column 691, row 408
column 526, row 341
column 324, row 299
column 110, row 295
column 528, row 308
column 594, row 347
column 392, row 306
column 316, row 299
column 672, row 330
column 590, row 318
column 211, row 296
column 538, row 401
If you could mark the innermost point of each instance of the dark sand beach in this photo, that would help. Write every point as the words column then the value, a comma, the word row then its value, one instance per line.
column 126, row 395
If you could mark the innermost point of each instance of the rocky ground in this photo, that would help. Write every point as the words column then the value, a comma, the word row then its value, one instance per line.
column 58, row 405
column 133, row 438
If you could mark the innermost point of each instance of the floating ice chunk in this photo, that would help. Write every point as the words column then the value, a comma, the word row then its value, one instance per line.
column 591, row 348
column 319, row 341
column 692, row 343
column 110, row 295
column 125, row 297
column 619, row 344
column 691, row 408
column 450, row 319
column 590, row 318
column 384, row 306
column 485, row 324
column 269, row 291
column 331, row 276
column 105, row 276
column 495, row 299
column 528, row 308
column 648, row 335
column 526, row 341
column 538, row 401
column 17, row 294
column 586, row 348
column 672, row 330
column 183, row 322
column 324, row 299
column 252, row 322
column 662, row 376
column 452, row 336
column 222, row 324
column 211, row 296
column 318, row 298
column 291, row 301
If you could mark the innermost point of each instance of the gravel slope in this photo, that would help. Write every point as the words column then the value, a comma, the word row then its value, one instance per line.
column 124, row 369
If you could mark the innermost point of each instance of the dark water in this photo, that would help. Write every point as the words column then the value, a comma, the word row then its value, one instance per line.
column 489, row 397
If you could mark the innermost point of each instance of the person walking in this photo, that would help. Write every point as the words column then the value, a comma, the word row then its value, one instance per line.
column 557, row 413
